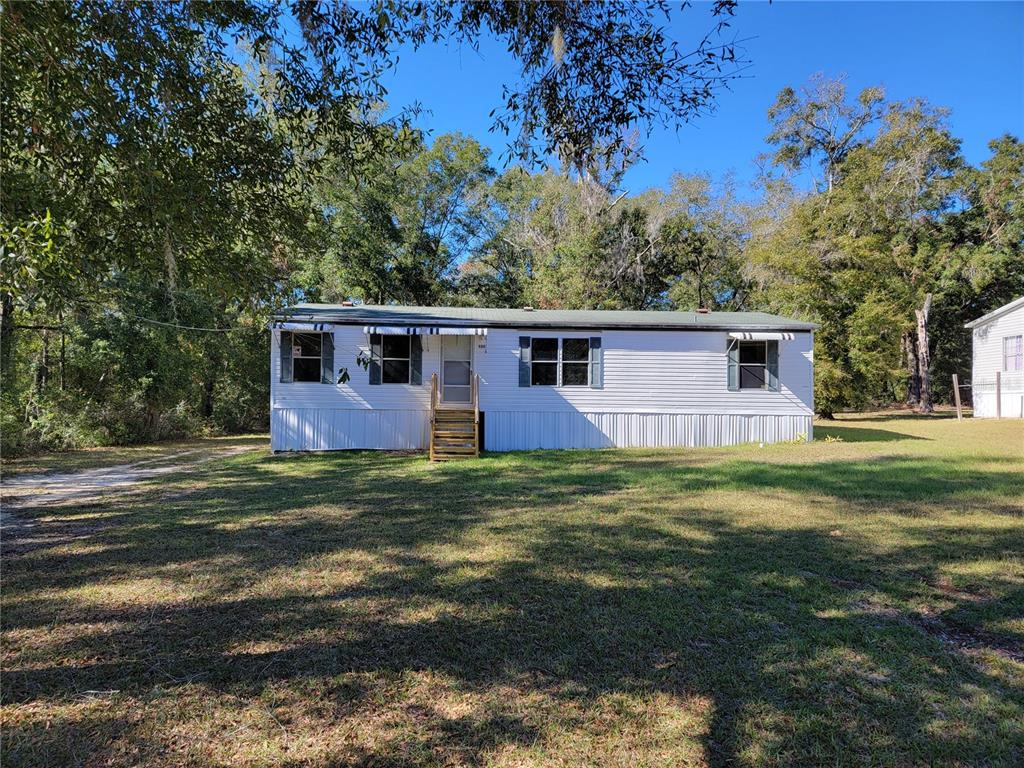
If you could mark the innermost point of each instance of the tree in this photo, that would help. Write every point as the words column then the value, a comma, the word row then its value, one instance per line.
column 983, row 237
column 818, row 124
column 875, row 234
column 397, row 233
column 140, row 118
column 703, row 236
column 181, row 145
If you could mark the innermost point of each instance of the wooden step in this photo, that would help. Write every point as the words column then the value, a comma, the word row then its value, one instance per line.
column 448, row 454
column 453, row 434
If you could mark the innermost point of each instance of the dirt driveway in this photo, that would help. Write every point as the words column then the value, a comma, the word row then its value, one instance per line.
column 25, row 497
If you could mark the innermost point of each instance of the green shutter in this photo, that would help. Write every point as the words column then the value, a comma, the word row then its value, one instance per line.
column 524, row 361
column 596, row 363
column 734, row 365
column 286, row 357
column 773, row 366
column 375, row 358
column 327, row 358
column 415, row 359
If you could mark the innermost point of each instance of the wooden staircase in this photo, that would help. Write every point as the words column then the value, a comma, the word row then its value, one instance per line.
column 454, row 432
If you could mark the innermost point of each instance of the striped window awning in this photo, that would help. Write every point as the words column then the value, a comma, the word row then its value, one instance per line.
column 282, row 325
column 425, row 330
column 761, row 336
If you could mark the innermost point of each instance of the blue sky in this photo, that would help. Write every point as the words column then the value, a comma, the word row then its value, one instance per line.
column 968, row 57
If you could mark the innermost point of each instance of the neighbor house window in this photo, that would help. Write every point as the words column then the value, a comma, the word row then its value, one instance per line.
column 575, row 362
column 395, row 354
column 753, row 365
column 307, row 356
column 544, row 354
column 1013, row 353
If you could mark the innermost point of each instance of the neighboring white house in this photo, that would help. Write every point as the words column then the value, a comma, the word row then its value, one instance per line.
column 997, row 375
column 546, row 378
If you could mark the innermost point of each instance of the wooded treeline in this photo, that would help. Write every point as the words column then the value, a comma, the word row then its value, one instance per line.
column 170, row 167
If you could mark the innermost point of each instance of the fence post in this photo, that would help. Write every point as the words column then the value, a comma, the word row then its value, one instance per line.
column 956, row 398
column 999, row 395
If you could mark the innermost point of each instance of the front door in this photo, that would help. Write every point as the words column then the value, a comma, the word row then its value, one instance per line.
column 456, row 369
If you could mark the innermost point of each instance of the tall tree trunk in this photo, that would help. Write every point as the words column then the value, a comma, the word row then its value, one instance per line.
column 923, row 357
column 209, row 384
column 6, row 337
column 913, row 380
column 63, row 350
column 171, row 265
column 43, row 369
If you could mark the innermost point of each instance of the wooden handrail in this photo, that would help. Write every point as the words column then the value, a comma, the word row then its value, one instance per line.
column 433, row 411
column 433, row 396
column 476, row 411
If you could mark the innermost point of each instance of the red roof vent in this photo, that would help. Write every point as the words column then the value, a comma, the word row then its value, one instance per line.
column 703, row 310
column 347, row 303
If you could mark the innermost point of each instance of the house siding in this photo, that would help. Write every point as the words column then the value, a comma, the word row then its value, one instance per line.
column 988, row 359
column 661, row 389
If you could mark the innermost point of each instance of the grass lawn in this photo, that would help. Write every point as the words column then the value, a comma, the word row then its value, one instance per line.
column 833, row 603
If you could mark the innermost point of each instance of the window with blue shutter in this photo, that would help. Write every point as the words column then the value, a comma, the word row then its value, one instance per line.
column 416, row 375
column 375, row 358
column 753, row 365
column 327, row 358
column 307, row 357
column 596, row 363
column 525, row 346
column 286, row 357
column 392, row 358
column 773, row 365
column 734, row 366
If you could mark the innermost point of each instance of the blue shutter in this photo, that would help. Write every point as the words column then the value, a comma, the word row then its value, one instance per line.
column 415, row 359
column 773, row 366
column 596, row 363
column 286, row 357
column 734, row 365
column 375, row 358
column 524, row 361
column 327, row 358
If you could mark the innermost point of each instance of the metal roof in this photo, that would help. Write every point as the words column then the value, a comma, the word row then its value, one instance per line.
column 488, row 317
column 996, row 313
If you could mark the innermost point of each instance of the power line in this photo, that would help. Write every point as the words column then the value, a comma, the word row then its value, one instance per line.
column 181, row 327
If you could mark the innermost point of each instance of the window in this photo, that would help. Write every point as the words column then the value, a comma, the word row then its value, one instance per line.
column 575, row 362
column 571, row 369
column 395, row 353
column 307, row 351
column 544, row 354
column 1013, row 353
column 753, row 365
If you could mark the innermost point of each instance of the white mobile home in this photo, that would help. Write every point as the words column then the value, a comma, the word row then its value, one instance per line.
column 997, row 370
column 391, row 377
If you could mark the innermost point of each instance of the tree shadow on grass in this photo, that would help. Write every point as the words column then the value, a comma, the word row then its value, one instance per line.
column 896, row 416
column 860, row 434
column 588, row 630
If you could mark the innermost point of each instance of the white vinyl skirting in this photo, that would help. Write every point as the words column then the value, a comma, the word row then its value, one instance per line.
column 524, row 431
column 320, row 429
